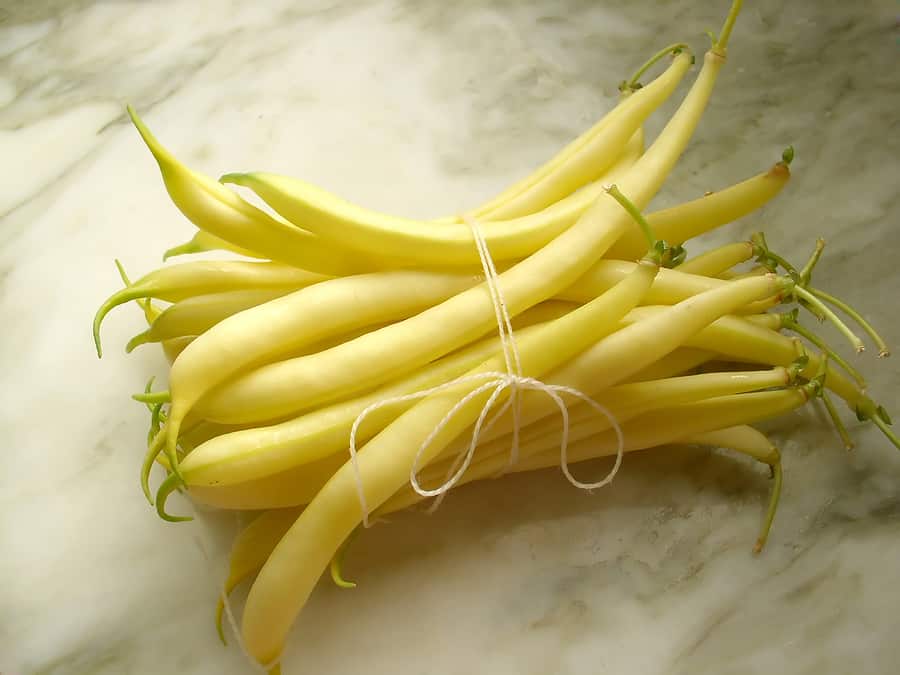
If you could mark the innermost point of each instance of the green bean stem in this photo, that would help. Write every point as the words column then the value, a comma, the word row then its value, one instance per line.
column 789, row 322
column 812, row 300
column 632, row 83
column 883, row 350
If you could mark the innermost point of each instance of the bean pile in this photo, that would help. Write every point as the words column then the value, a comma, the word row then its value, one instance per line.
column 339, row 364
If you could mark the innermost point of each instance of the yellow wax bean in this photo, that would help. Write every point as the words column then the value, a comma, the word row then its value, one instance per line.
column 379, row 234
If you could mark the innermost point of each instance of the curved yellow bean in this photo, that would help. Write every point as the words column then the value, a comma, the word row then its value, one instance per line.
column 679, row 223
column 222, row 212
column 716, row 261
column 350, row 225
column 195, row 315
column 250, row 549
column 203, row 241
column 178, row 282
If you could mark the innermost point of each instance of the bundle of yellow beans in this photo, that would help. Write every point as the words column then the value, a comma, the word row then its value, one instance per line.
column 350, row 364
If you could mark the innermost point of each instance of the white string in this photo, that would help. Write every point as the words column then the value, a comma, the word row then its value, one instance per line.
column 512, row 379
column 226, row 605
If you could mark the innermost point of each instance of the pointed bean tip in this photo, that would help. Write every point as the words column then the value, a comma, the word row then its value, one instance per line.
column 235, row 178
column 340, row 582
column 167, row 487
column 175, row 251
column 120, row 297
column 162, row 156
column 122, row 273
column 98, row 320
column 139, row 124
column 137, row 341
column 145, row 487
column 150, row 456
column 145, row 477
column 220, row 628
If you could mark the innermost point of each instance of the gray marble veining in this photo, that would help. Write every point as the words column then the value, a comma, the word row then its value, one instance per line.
column 423, row 108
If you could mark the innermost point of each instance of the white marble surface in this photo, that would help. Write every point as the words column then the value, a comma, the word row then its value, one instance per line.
column 420, row 108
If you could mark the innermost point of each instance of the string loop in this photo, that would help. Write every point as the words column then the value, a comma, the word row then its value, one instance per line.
column 512, row 379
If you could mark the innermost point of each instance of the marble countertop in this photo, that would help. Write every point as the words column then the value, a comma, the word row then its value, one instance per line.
column 419, row 108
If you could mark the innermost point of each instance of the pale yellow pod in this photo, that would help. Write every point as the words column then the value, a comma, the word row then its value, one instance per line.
column 677, row 423
column 195, row 315
column 716, row 261
column 185, row 280
column 384, row 461
column 742, row 438
column 484, row 211
column 379, row 234
column 629, row 400
column 250, row 549
column 222, row 212
column 203, row 241
column 680, row 223
column 458, row 320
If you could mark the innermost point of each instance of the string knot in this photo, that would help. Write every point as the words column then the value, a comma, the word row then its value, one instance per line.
column 511, row 379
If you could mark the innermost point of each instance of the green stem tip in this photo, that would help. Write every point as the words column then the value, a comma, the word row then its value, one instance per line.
column 787, row 156
column 886, row 430
column 235, row 178
column 778, row 479
column 148, row 388
column 122, row 273
column 182, row 249
column 153, row 449
column 220, row 625
column 337, row 563
column 632, row 84
column 155, row 420
column 883, row 350
column 720, row 46
column 654, row 248
column 230, row 584
column 337, row 574
column 168, row 486
column 811, row 300
column 806, row 272
column 765, row 257
column 789, row 322
column 120, row 297
column 142, row 338
column 836, row 421
column 153, row 397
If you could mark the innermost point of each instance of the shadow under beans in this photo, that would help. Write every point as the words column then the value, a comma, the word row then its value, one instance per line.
column 645, row 492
